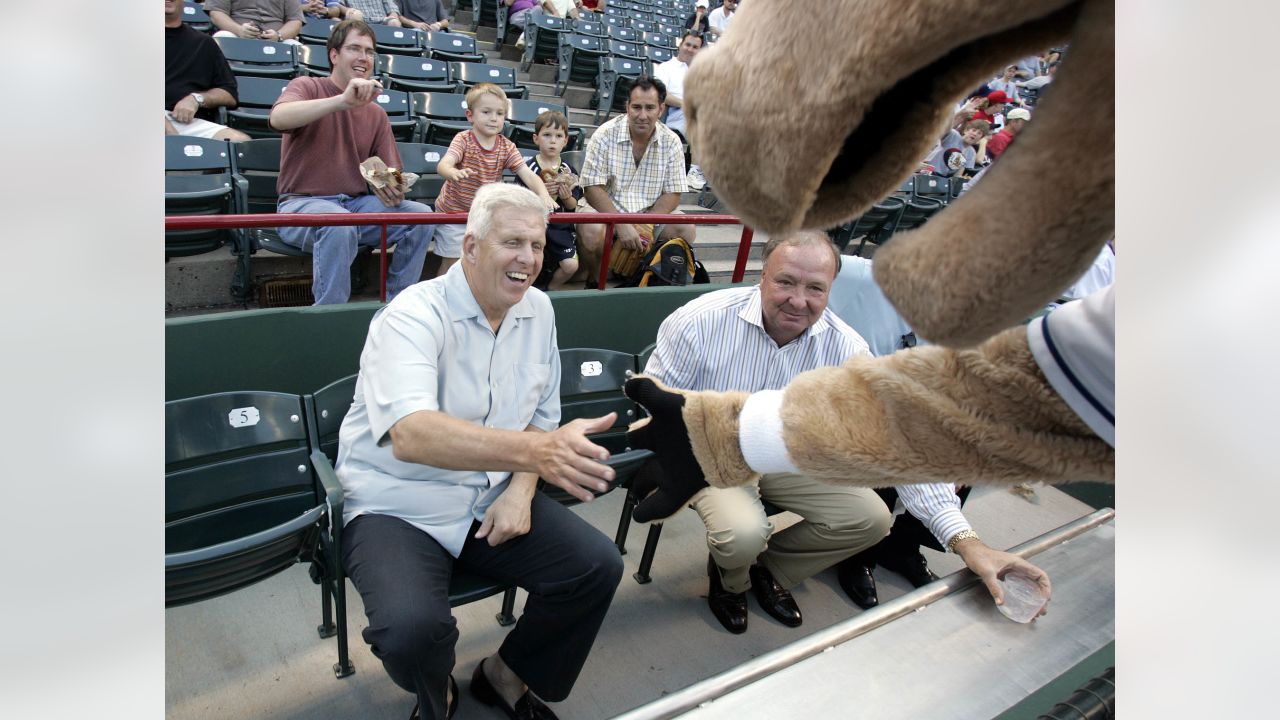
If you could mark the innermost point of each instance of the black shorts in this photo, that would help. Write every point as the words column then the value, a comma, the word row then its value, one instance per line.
column 562, row 242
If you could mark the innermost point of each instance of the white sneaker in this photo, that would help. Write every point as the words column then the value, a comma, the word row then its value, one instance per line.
column 520, row 41
column 695, row 179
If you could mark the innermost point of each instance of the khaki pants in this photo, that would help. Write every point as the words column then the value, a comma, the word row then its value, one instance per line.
column 838, row 522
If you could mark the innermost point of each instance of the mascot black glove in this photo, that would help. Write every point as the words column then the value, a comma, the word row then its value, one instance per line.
column 680, row 477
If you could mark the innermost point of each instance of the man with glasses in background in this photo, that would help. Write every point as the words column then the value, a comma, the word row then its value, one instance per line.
column 330, row 126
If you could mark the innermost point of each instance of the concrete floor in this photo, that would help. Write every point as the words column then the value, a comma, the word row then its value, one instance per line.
column 255, row 653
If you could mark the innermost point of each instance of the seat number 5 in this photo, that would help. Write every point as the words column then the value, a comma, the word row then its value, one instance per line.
column 243, row 417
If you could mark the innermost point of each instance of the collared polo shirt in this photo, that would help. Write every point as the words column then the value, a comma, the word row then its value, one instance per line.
column 633, row 187
column 432, row 349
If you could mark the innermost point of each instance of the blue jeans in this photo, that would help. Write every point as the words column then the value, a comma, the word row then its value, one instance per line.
column 334, row 248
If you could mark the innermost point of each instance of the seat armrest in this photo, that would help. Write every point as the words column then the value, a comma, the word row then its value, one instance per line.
column 332, row 488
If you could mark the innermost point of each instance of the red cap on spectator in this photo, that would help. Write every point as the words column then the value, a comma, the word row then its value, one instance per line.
column 997, row 97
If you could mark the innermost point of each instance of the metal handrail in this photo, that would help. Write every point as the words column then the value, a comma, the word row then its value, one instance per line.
column 274, row 220
column 682, row 701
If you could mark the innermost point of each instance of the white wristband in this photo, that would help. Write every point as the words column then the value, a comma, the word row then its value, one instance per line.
column 760, row 434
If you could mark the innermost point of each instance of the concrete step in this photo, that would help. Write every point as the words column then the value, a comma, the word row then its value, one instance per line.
column 721, row 271
column 539, row 72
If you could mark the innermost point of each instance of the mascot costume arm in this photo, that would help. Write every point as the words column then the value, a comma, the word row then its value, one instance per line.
column 976, row 407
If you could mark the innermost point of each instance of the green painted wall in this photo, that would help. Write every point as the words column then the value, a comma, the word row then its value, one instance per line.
column 299, row 350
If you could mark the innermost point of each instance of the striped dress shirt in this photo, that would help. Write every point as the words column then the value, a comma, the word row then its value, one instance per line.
column 718, row 342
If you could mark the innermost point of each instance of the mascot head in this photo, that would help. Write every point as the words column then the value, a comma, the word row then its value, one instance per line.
column 804, row 117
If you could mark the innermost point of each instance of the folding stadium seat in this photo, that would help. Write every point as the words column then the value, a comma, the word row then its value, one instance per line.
column 630, row 35
column 614, row 9
column 916, row 213
column 316, row 31
column 415, row 74
column 523, row 115
column 257, row 95
column 445, row 115
column 486, row 13
column 468, row 74
column 593, row 28
column 613, row 84
column 579, row 60
column 674, row 29
column 657, row 56
column 199, row 180
column 422, row 159
column 612, row 21
column 397, row 40
column 670, row 17
column 451, row 47
column 641, row 15
column 931, row 187
column 193, row 14
column 404, row 125
column 873, row 226
column 259, row 58
column 626, row 49
column 246, row 498
column 644, row 26
column 662, row 40
column 542, row 38
column 313, row 60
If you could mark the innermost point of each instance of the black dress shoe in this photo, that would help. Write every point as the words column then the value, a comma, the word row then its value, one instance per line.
column 729, row 608
column 911, row 566
column 527, row 707
column 858, row 583
column 449, row 711
column 775, row 599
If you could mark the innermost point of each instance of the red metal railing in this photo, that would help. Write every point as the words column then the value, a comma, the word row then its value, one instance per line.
column 270, row 220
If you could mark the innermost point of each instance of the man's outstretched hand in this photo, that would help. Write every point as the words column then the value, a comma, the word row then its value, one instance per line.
column 666, row 435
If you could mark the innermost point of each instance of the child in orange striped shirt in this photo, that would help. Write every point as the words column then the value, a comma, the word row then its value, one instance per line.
column 477, row 157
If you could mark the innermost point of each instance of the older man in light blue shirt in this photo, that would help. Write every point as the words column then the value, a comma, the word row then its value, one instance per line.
column 454, row 420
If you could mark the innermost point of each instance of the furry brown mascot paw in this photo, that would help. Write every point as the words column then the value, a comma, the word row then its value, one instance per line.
column 853, row 129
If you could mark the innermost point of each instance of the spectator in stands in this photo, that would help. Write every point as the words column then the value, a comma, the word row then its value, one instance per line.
column 720, row 18
column 380, row 12
column 518, row 16
column 551, row 134
column 933, row 517
column 439, row 459
column 591, row 5
column 324, row 9
column 1017, row 120
column 274, row 20
column 634, row 164
column 425, row 15
column 971, row 140
column 698, row 22
column 197, row 80
column 330, row 126
column 1007, row 84
column 477, row 157
column 672, row 73
column 760, row 338
column 1038, row 82
column 1029, row 66
column 997, row 103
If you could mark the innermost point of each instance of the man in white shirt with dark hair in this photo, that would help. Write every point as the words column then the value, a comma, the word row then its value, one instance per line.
column 672, row 73
column 721, row 17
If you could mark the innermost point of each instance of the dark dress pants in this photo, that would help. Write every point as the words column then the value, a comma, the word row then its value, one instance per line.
column 569, row 569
